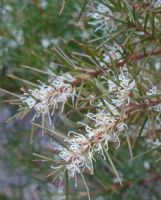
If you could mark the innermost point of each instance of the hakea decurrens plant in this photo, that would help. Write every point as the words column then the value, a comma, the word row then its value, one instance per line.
column 122, row 90
column 109, row 121
column 78, row 157
column 81, row 148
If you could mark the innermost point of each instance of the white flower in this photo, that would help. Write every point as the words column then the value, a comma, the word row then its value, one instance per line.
column 101, row 8
column 78, row 143
column 157, row 107
column 158, row 120
column 114, row 111
column 114, row 52
column 80, row 146
column 152, row 91
column 121, row 127
column 157, row 3
column 29, row 101
column 120, row 91
column 47, row 98
column 105, row 130
column 153, row 143
column 125, row 80
column 62, row 80
column 110, row 52
column 72, row 161
column 102, row 136
column 101, row 118
column 112, row 87
column 73, row 169
column 101, row 17
column 64, row 154
column 77, row 157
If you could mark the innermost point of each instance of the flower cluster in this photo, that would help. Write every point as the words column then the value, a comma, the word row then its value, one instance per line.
column 120, row 87
column 153, row 143
column 79, row 154
column 74, row 155
column 102, row 18
column 113, row 52
column 47, row 98
column 107, row 127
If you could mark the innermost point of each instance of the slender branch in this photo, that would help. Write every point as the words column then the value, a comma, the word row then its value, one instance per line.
column 95, row 73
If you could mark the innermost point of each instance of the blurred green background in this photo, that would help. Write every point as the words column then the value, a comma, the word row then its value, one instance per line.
column 29, row 29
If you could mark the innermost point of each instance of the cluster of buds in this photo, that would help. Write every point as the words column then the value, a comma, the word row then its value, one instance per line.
column 47, row 98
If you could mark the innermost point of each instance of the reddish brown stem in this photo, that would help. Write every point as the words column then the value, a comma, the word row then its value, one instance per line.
column 118, row 64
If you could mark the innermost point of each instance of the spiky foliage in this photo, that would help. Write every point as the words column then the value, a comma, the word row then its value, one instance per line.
column 107, row 95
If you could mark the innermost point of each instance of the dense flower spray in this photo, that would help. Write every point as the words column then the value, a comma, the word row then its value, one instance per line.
column 111, row 90
column 47, row 98
column 107, row 126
